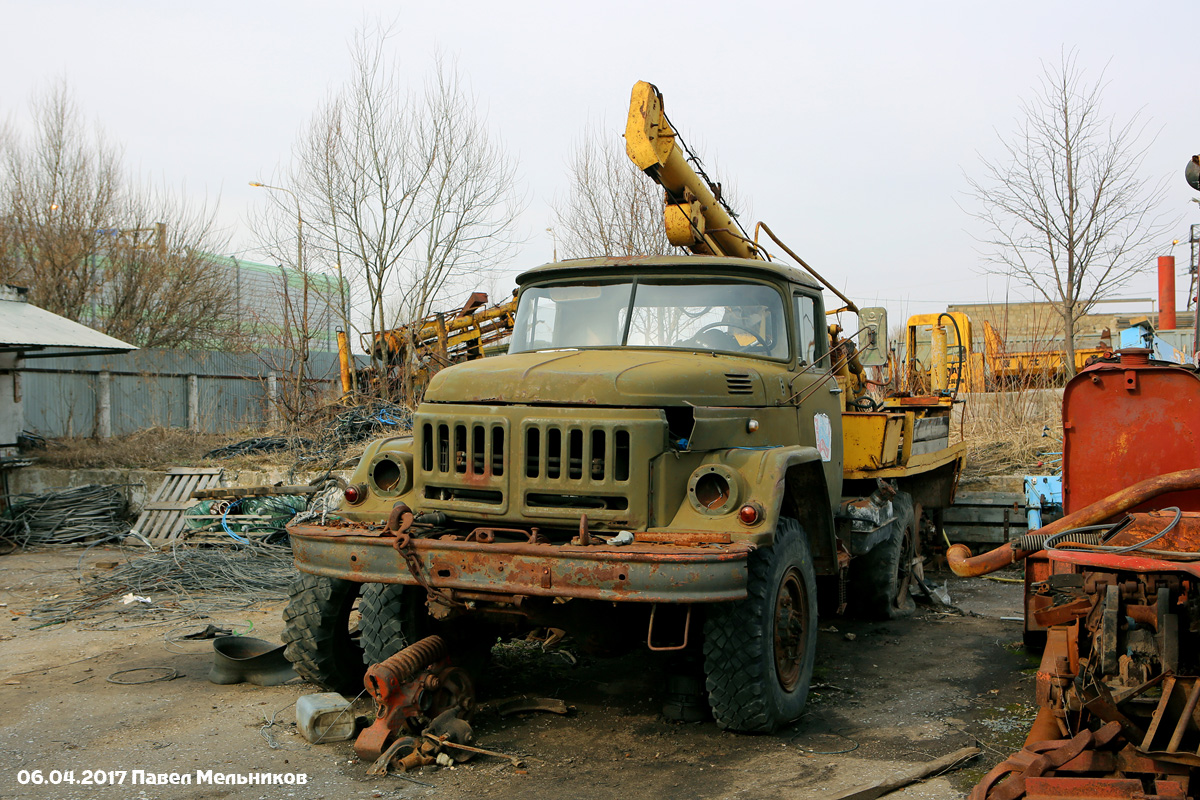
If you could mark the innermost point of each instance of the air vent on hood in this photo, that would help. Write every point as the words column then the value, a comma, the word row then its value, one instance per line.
column 739, row 383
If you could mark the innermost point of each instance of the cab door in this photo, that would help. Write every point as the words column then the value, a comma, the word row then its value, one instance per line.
column 814, row 391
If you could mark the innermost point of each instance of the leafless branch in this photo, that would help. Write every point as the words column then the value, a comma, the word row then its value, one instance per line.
column 1065, row 208
column 611, row 208
column 96, row 246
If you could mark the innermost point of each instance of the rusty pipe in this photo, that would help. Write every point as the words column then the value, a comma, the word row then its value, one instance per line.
column 967, row 566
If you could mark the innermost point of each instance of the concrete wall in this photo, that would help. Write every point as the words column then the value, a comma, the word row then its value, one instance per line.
column 138, row 485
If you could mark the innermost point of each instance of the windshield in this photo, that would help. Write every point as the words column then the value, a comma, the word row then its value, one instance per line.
column 731, row 316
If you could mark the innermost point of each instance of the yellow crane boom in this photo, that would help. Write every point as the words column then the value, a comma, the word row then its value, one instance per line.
column 694, row 216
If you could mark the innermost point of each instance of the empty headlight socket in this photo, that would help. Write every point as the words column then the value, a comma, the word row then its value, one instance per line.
column 714, row 489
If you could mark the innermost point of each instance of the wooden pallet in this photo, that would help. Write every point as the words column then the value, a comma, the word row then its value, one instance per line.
column 162, row 517
column 985, row 517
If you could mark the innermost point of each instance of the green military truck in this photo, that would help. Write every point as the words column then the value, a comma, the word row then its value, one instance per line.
column 665, row 457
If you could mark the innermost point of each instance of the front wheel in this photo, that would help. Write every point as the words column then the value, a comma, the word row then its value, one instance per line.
column 393, row 617
column 321, row 632
column 759, row 652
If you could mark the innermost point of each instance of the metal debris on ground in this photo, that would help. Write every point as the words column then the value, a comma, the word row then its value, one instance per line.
column 526, row 705
column 352, row 426
column 327, row 499
column 188, row 581
column 156, row 675
column 355, row 425
column 69, row 516
column 259, row 444
column 897, row 780
column 416, row 690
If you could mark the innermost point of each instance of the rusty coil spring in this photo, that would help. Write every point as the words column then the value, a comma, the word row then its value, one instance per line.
column 411, row 660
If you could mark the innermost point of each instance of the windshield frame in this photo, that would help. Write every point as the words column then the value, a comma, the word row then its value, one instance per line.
column 632, row 281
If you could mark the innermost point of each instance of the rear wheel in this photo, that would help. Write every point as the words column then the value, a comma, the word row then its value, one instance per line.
column 758, row 652
column 320, row 632
column 881, row 578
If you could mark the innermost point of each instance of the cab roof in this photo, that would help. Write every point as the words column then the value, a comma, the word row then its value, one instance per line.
column 687, row 265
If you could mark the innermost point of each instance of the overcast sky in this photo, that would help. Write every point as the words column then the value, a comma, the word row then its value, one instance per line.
column 848, row 125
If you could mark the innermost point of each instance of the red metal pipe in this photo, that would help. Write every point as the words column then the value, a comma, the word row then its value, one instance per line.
column 1166, row 293
column 967, row 566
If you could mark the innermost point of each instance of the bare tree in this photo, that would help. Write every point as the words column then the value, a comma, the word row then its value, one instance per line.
column 406, row 194
column 611, row 208
column 1066, row 210
column 469, row 200
column 97, row 247
column 61, row 191
column 160, row 286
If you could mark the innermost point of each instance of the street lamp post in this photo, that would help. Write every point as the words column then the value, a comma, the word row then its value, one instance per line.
column 300, row 350
column 299, row 221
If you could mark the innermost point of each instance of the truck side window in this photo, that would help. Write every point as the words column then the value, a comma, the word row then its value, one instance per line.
column 806, row 321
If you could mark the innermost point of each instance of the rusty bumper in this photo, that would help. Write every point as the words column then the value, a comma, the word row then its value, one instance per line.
column 640, row 573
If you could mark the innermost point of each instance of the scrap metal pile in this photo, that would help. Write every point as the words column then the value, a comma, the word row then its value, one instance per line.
column 71, row 516
column 350, row 427
column 1113, row 590
column 423, row 709
column 181, row 582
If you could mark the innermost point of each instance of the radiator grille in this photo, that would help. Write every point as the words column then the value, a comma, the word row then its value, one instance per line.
column 462, row 448
column 588, row 454
column 549, row 465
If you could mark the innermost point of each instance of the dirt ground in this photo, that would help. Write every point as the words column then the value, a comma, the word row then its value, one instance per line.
column 887, row 695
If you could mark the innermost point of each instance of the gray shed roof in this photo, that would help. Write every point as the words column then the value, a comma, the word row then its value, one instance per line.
column 26, row 327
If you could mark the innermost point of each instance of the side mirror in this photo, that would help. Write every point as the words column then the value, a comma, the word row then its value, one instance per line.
column 872, row 343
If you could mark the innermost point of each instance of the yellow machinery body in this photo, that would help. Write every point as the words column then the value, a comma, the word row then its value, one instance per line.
column 438, row 340
column 938, row 356
column 1021, row 367
column 936, row 360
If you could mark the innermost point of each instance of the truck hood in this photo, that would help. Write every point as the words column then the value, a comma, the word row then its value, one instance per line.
column 626, row 377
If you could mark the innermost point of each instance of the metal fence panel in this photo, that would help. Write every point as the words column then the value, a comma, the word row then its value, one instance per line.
column 149, row 388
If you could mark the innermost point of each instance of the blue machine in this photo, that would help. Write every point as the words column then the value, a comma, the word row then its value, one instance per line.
column 1141, row 335
column 1043, row 500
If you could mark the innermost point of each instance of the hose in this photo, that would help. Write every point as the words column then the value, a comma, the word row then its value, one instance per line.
column 967, row 566
column 1050, row 545
column 961, row 352
column 1040, row 541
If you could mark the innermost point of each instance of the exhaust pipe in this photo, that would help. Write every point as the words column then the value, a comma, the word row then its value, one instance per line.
column 967, row 566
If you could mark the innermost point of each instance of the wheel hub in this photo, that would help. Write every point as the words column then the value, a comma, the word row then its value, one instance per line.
column 791, row 612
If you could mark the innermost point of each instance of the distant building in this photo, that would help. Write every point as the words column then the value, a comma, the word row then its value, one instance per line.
column 1037, row 327
column 259, row 294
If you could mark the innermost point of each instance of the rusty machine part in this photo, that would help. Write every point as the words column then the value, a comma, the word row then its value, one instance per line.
column 412, row 690
column 446, row 741
column 432, row 342
column 1157, row 410
column 1118, row 686
column 1083, row 766
column 967, row 566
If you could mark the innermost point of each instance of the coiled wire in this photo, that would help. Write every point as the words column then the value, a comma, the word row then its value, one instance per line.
column 65, row 517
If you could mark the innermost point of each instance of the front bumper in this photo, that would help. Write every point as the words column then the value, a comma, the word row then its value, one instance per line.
column 641, row 573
